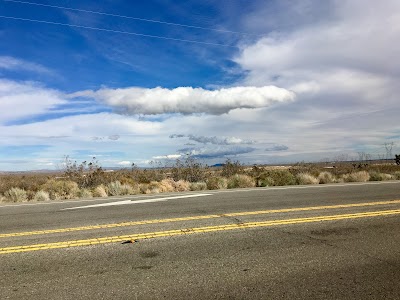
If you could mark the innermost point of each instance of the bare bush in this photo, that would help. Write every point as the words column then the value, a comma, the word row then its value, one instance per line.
column 16, row 195
column 361, row 176
column 41, row 196
column 306, row 178
column 240, row 181
column 326, row 177
column 85, row 174
column 189, row 170
column 231, row 168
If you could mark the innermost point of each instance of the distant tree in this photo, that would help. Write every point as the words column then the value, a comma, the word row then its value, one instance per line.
column 397, row 159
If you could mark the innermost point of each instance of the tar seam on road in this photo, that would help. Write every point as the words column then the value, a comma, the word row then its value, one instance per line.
column 185, row 231
column 192, row 218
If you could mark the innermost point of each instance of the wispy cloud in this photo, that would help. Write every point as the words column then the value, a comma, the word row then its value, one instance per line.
column 12, row 63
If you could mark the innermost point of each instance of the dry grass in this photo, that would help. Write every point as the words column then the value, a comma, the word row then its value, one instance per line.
column 85, row 193
column 326, row 177
column 198, row 186
column 217, row 183
column 240, row 181
column 182, row 186
column 306, row 178
column 16, row 195
column 41, row 196
column 61, row 189
column 100, row 191
column 362, row 176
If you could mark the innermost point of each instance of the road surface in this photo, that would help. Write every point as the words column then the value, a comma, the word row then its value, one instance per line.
column 303, row 242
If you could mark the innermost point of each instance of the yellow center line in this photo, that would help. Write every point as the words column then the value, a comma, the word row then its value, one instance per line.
column 191, row 218
column 185, row 231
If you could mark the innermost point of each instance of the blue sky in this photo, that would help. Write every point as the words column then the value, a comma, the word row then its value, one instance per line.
column 260, row 81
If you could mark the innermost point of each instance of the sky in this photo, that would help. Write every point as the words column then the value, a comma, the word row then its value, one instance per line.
column 262, row 82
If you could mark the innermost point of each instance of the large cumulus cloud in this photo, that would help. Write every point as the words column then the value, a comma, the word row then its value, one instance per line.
column 188, row 100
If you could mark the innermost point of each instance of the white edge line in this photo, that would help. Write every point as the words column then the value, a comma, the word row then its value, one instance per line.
column 136, row 202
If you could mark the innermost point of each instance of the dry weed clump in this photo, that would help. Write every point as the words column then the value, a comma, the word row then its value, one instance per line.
column 396, row 175
column 306, row 178
column 198, row 186
column 114, row 188
column 61, row 189
column 100, row 191
column 217, row 183
column 127, row 189
column 326, row 177
column 361, row 176
column 85, row 193
column 41, row 196
column 16, row 195
column 166, row 185
column 240, row 181
column 182, row 186
column 154, row 187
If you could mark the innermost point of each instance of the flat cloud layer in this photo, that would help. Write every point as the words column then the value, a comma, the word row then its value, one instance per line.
column 188, row 100
column 214, row 139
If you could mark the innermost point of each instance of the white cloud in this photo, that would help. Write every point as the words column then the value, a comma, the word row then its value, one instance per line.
column 188, row 100
column 124, row 163
column 169, row 156
column 24, row 99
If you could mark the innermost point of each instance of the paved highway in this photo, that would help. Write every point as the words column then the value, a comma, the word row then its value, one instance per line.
column 303, row 242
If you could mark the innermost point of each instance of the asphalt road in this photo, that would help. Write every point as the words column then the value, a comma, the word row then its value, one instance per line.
column 301, row 242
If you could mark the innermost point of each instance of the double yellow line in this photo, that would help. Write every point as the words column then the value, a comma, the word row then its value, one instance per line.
column 194, row 218
column 151, row 235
